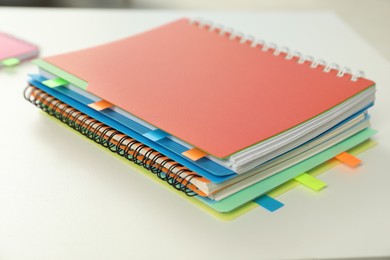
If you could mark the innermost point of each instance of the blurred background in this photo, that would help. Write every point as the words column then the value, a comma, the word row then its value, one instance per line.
column 370, row 18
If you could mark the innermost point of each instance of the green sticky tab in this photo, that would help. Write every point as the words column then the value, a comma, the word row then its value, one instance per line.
column 310, row 181
column 53, row 83
column 10, row 62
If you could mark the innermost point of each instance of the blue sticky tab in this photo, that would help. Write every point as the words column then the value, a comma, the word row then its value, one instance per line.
column 156, row 135
column 269, row 203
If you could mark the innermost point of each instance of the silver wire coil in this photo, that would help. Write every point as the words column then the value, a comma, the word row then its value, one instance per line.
column 275, row 49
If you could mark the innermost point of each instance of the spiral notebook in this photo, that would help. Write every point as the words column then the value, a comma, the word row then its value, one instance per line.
column 187, row 66
column 166, row 169
column 209, row 111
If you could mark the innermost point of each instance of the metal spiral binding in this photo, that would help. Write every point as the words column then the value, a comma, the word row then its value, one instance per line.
column 275, row 49
column 166, row 169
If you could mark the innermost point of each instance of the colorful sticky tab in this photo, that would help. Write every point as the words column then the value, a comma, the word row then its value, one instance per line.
column 53, row 83
column 348, row 159
column 310, row 181
column 10, row 62
column 100, row 105
column 202, row 179
column 156, row 135
column 194, row 154
column 269, row 203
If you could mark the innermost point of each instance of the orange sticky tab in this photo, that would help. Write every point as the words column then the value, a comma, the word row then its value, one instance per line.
column 203, row 179
column 348, row 159
column 100, row 105
column 194, row 154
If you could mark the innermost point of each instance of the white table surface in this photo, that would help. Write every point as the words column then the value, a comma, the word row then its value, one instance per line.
column 64, row 198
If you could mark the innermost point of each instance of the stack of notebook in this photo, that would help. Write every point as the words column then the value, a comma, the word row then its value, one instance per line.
column 217, row 115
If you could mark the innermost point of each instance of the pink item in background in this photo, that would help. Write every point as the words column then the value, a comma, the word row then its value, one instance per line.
column 11, row 47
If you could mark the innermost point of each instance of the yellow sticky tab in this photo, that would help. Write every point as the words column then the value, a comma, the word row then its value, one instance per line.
column 100, row 105
column 194, row 154
column 349, row 159
column 310, row 181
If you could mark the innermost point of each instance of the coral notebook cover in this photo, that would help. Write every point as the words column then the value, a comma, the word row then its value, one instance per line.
column 218, row 94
